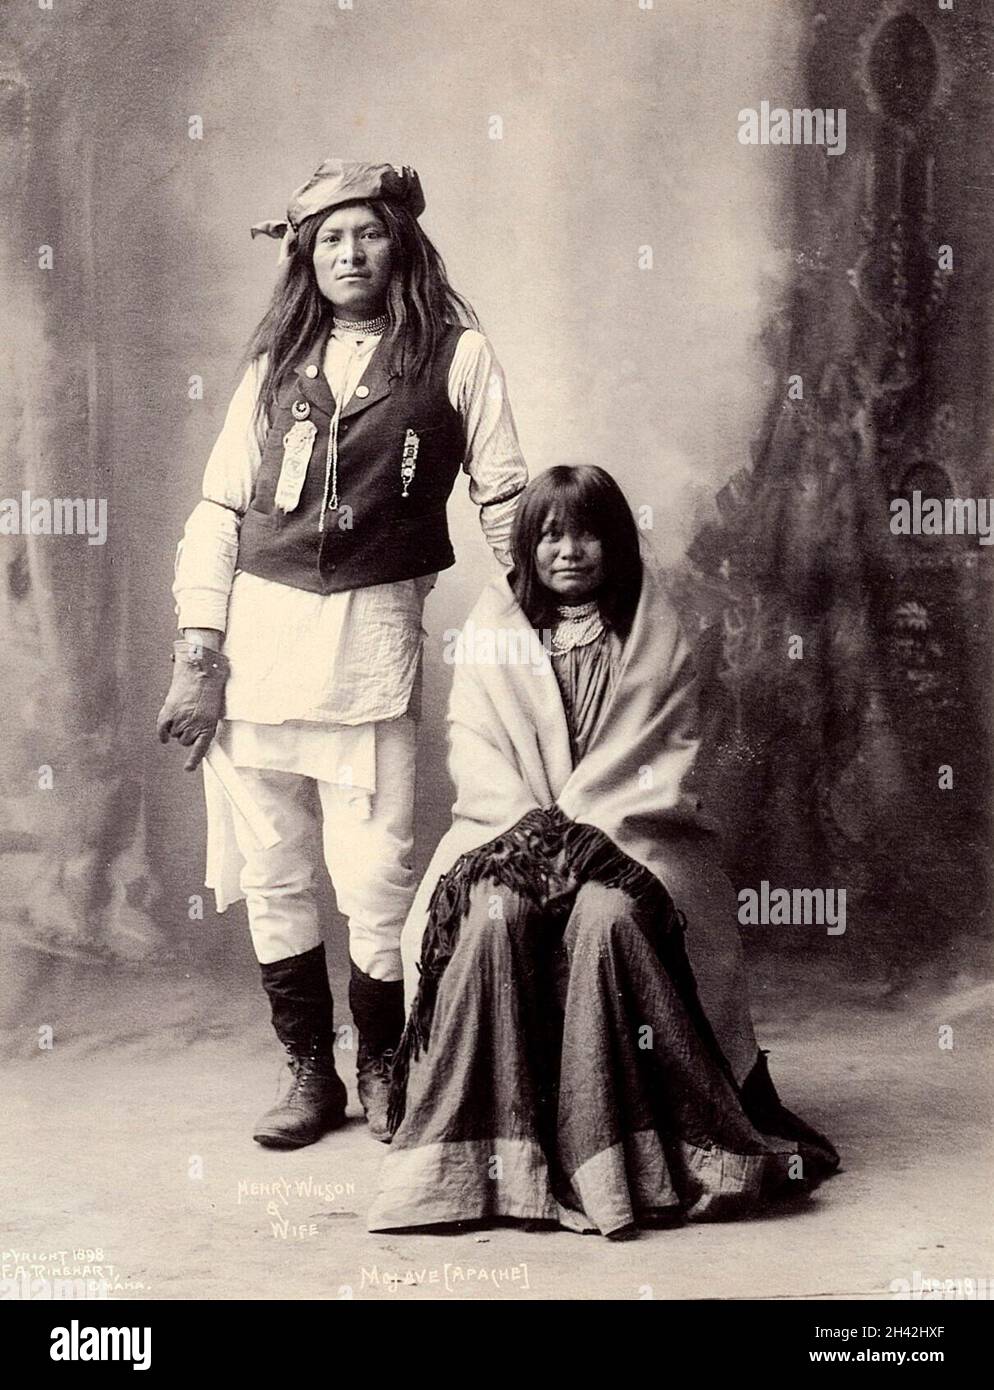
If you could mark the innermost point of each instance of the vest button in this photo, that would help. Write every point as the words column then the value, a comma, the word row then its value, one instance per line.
column 362, row 392
column 310, row 370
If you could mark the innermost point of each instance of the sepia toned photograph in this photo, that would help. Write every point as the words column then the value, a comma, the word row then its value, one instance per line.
column 496, row 537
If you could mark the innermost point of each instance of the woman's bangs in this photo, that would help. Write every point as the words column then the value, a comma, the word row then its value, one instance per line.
column 573, row 509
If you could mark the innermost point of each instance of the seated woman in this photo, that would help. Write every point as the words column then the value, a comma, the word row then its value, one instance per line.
column 579, row 1047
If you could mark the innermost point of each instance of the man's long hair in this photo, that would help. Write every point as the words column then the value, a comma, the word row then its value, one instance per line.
column 420, row 305
column 582, row 498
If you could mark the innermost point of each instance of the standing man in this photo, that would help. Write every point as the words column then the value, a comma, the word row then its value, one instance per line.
column 300, row 582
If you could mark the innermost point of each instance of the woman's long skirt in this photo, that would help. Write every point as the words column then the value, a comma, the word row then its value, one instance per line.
column 571, row 1077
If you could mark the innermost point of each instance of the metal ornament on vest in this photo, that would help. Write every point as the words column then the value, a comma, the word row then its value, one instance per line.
column 346, row 498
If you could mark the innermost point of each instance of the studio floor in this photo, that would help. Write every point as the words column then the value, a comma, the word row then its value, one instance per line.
column 130, row 1138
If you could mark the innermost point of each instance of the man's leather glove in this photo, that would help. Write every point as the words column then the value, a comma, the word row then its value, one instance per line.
column 195, row 700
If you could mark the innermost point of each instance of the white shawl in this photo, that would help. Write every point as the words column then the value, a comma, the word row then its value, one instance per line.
column 510, row 752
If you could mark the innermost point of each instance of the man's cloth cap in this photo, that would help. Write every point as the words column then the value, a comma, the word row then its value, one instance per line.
column 338, row 181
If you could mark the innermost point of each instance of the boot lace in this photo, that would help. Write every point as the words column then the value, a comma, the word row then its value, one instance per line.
column 309, row 1074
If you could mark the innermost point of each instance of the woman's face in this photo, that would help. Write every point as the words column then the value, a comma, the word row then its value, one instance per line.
column 352, row 261
column 569, row 561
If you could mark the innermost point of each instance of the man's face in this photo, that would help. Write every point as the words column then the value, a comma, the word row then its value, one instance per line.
column 353, row 261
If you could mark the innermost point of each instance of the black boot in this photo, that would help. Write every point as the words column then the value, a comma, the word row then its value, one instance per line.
column 378, row 1014
column 303, row 1018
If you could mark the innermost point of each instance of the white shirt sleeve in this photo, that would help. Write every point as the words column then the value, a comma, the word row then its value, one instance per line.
column 497, row 471
column 207, row 555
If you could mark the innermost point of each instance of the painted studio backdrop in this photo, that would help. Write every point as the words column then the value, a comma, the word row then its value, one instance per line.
column 765, row 344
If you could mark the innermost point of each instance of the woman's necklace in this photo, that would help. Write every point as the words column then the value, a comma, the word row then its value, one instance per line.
column 579, row 624
column 363, row 328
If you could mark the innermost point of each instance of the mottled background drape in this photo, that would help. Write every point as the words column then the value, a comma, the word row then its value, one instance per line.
column 650, row 284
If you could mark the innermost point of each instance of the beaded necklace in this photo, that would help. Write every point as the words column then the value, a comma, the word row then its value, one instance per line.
column 363, row 328
column 579, row 624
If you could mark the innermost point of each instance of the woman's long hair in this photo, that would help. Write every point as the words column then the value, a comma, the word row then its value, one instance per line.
column 579, row 498
column 420, row 304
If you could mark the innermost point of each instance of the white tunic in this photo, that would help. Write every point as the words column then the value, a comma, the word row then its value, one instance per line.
column 312, row 674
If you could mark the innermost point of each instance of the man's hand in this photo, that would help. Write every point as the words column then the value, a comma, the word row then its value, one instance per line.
column 195, row 699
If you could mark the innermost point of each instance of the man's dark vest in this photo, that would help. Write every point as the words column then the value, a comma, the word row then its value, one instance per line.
column 396, row 436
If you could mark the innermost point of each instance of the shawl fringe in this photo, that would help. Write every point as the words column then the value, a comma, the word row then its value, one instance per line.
column 543, row 857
